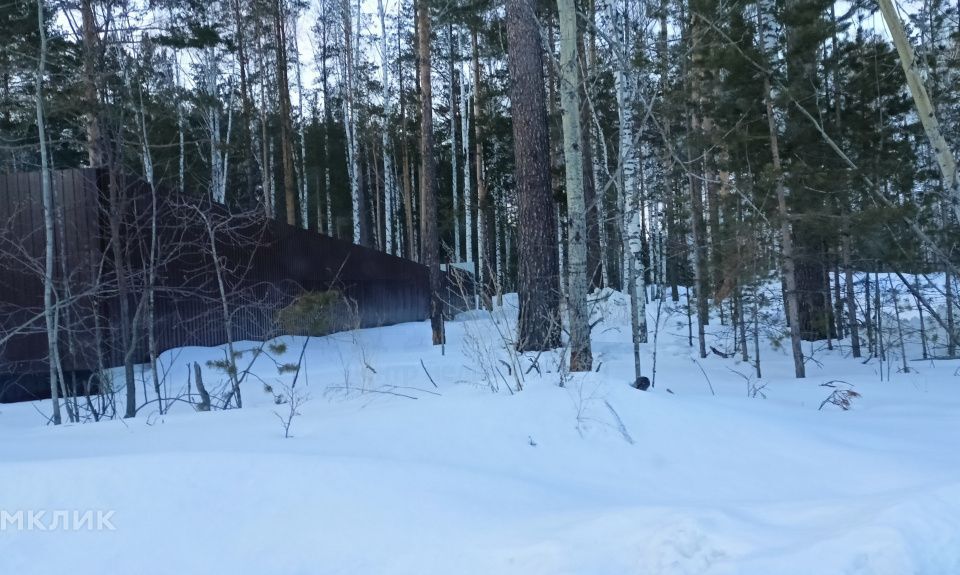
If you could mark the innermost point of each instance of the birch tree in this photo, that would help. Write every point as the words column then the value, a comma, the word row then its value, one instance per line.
column 468, row 201
column 925, row 110
column 628, row 192
column 389, row 183
column 454, row 145
column 581, row 358
column 347, row 72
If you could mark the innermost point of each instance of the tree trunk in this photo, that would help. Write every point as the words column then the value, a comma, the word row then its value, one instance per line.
column 407, row 184
column 430, row 244
column 925, row 110
column 468, row 203
column 696, row 173
column 350, row 120
column 630, row 202
column 581, row 358
column 788, row 266
column 389, row 184
column 91, row 42
column 486, row 232
column 286, row 129
column 538, row 281
column 853, row 325
column 49, row 314
column 454, row 148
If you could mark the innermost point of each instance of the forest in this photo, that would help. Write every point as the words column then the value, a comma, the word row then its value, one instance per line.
column 660, row 214
column 714, row 145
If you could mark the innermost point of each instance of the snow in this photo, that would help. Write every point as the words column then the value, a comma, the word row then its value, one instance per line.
column 387, row 474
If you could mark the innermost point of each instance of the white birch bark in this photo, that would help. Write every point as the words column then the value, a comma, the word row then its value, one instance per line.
column 301, row 165
column 349, row 120
column 389, row 179
column 468, row 201
column 928, row 116
column 455, row 186
column 628, row 194
column 581, row 358
column 210, row 71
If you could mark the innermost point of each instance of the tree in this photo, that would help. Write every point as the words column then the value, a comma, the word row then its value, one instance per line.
column 538, row 264
column 581, row 358
column 49, row 313
column 928, row 117
column 430, row 243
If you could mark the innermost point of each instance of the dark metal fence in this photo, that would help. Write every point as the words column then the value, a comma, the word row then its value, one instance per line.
column 261, row 266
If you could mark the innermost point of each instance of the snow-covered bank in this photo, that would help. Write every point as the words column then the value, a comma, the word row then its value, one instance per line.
column 591, row 478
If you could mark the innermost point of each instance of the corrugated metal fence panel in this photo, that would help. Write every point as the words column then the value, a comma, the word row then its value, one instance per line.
column 265, row 265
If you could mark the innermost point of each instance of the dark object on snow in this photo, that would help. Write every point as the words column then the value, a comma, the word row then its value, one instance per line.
column 643, row 384
column 720, row 353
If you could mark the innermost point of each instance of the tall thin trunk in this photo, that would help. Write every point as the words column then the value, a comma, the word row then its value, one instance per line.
column 301, row 135
column 788, row 267
column 349, row 119
column 951, row 323
column 405, row 170
column 786, row 240
column 852, row 323
column 629, row 197
column 868, row 314
column 485, row 218
column 91, row 42
column 49, row 315
column 468, row 202
column 389, row 184
column 588, row 58
column 286, row 128
column 327, row 125
column 430, row 243
column 266, row 162
column 696, row 174
column 454, row 148
column 249, row 158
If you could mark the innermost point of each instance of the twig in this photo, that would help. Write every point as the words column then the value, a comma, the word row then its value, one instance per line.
column 705, row 376
column 428, row 374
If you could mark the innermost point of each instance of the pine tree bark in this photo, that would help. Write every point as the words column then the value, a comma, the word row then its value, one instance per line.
column 286, row 129
column 429, row 240
column 537, row 277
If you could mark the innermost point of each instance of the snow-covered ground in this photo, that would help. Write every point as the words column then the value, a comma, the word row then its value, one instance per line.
column 388, row 474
